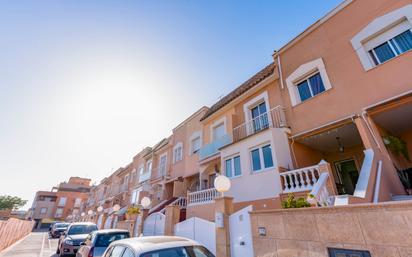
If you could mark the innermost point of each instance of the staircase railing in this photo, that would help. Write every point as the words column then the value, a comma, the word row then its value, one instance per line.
column 181, row 202
column 320, row 196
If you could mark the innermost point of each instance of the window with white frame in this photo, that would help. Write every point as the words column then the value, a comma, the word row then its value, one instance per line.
column 62, row 201
column 307, row 81
column 384, row 38
column 195, row 145
column 149, row 166
column 135, row 196
column 43, row 210
column 141, row 169
column 310, row 86
column 59, row 212
column 178, row 152
column 219, row 131
column 261, row 158
column 163, row 165
column 232, row 167
column 77, row 202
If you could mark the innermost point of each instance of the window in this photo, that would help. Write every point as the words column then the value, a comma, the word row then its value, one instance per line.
column 333, row 252
column 43, row 210
column 219, row 131
column 135, row 196
column 141, row 169
column 260, row 117
column 59, row 212
column 392, row 48
column 308, row 80
column 310, row 87
column 103, row 240
column 75, row 212
column 384, row 38
column 172, row 252
column 128, row 253
column 62, row 201
column 117, row 251
column 163, row 165
column 149, row 166
column 77, row 202
column 195, row 145
column 232, row 167
column 261, row 158
column 178, row 152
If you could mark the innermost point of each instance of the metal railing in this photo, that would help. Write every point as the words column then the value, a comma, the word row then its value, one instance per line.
column 202, row 196
column 145, row 176
column 213, row 147
column 273, row 119
column 299, row 180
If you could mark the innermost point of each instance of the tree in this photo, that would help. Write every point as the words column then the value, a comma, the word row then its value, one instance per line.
column 8, row 202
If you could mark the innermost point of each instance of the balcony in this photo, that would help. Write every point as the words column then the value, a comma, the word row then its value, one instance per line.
column 145, row 176
column 274, row 119
column 213, row 148
column 202, row 197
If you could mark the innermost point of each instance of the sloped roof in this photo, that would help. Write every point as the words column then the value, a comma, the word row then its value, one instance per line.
column 253, row 81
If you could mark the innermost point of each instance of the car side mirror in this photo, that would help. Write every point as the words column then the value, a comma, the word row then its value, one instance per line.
column 83, row 243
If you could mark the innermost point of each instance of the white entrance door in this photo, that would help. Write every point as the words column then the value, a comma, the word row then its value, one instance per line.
column 154, row 224
column 200, row 230
column 241, row 233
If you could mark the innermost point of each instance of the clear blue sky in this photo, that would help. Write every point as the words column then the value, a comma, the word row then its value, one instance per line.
column 85, row 85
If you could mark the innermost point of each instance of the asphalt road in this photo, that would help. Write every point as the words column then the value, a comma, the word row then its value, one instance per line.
column 36, row 244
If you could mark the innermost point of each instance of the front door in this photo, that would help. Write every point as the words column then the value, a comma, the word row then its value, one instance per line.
column 347, row 176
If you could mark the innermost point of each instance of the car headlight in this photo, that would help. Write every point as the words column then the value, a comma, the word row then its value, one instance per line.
column 68, row 242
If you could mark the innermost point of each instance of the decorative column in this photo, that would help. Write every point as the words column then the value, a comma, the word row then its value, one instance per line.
column 145, row 213
column 324, row 167
column 223, row 209
column 172, row 218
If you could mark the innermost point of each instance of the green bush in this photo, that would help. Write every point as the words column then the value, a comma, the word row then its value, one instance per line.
column 292, row 202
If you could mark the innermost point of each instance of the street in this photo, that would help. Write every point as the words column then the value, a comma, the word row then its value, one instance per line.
column 36, row 244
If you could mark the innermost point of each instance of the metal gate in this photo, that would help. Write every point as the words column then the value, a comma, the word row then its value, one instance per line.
column 200, row 230
column 241, row 244
column 154, row 224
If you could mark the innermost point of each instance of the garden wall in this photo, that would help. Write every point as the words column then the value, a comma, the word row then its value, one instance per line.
column 12, row 230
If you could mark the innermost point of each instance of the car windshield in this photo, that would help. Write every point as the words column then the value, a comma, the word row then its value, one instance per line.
column 188, row 251
column 62, row 225
column 104, row 240
column 81, row 229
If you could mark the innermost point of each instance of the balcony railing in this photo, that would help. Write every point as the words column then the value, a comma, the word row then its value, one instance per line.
column 180, row 201
column 299, row 180
column 145, row 176
column 202, row 196
column 274, row 119
column 212, row 148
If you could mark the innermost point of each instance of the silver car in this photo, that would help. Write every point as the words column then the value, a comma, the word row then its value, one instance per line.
column 97, row 242
column 157, row 246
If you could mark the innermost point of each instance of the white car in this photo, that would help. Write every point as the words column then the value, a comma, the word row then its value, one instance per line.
column 156, row 246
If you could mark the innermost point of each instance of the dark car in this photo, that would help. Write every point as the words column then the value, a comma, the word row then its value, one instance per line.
column 97, row 242
column 58, row 229
column 69, row 242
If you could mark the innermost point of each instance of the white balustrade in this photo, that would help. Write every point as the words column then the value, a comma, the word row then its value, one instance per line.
column 181, row 202
column 319, row 196
column 202, row 196
column 299, row 180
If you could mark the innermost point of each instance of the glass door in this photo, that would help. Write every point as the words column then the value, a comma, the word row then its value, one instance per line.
column 347, row 175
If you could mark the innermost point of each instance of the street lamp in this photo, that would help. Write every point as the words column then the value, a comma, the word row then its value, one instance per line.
column 83, row 214
column 90, row 212
column 116, row 207
column 222, row 184
column 145, row 202
column 100, row 208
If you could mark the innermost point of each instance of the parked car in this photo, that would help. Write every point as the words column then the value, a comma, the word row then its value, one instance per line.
column 76, row 233
column 97, row 242
column 156, row 246
column 57, row 229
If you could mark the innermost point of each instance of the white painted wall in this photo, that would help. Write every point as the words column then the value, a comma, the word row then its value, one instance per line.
column 258, row 185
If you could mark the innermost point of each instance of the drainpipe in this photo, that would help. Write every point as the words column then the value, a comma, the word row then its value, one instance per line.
column 363, row 115
column 293, row 153
column 280, row 69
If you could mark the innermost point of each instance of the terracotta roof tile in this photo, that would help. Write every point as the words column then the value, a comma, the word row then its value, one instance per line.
column 253, row 81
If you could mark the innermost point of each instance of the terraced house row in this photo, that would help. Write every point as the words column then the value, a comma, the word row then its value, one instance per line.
column 331, row 116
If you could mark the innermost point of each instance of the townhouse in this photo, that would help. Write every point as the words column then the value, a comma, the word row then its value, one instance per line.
column 64, row 201
column 329, row 116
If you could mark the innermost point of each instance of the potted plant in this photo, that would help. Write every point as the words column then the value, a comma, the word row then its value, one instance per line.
column 132, row 212
column 292, row 202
